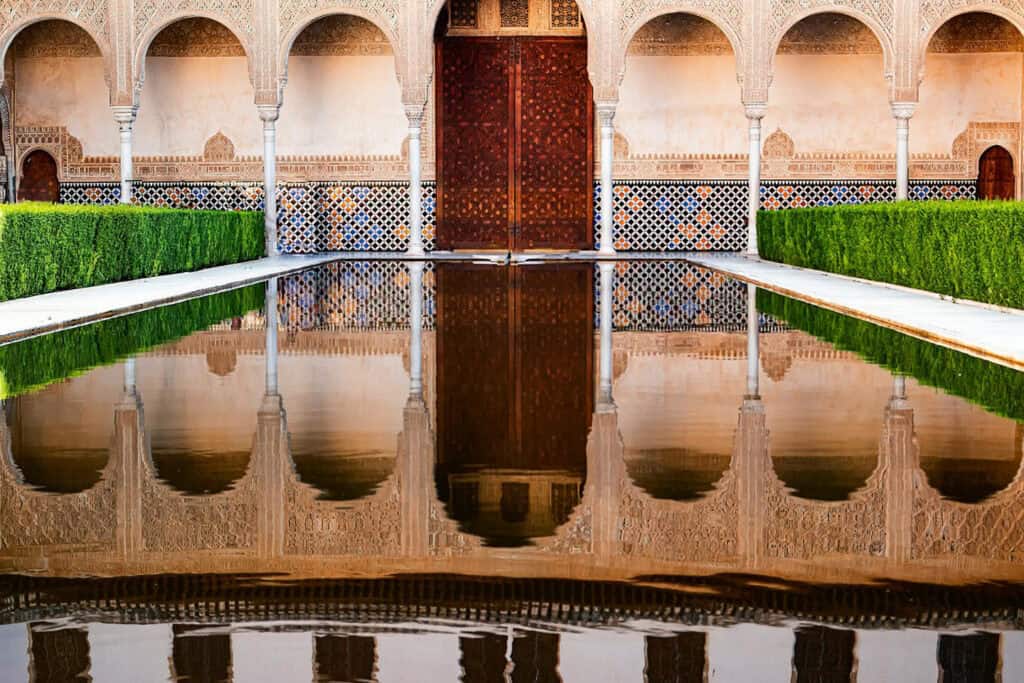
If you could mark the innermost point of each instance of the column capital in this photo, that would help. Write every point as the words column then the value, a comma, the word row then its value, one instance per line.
column 125, row 114
column 755, row 111
column 415, row 113
column 902, row 111
column 605, row 112
column 269, row 113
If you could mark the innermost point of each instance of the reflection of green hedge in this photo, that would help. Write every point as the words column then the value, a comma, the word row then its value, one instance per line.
column 35, row 363
column 48, row 247
column 969, row 250
column 993, row 386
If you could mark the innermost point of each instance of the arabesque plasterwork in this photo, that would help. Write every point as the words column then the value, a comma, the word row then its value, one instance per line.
column 265, row 29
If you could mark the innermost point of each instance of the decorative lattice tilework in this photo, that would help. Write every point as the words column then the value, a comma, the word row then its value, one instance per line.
column 676, row 215
column 943, row 189
column 649, row 215
column 674, row 296
column 89, row 193
column 317, row 217
column 792, row 195
column 353, row 295
column 712, row 215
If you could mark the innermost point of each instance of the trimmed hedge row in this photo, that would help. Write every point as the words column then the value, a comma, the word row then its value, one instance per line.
column 995, row 387
column 968, row 250
column 35, row 363
column 49, row 247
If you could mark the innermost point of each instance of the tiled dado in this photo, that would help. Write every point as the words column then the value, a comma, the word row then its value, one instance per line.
column 663, row 296
column 686, row 215
column 313, row 217
column 648, row 215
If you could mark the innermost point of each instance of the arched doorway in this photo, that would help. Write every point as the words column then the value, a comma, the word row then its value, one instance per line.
column 995, row 174
column 515, row 127
column 39, row 178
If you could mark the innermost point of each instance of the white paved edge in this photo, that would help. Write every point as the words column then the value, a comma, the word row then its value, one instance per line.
column 46, row 313
column 993, row 334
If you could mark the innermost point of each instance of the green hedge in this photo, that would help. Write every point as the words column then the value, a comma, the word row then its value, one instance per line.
column 48, row 247
column 992, row 386
column 968, row 250
column 35, row 363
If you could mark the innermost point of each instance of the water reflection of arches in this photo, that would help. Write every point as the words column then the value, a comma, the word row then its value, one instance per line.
column 676, row 473
column 825, row 477
column 71, row 454
column 971, row 466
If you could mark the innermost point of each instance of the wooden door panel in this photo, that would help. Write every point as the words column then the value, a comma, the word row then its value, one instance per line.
column 995, row 175
column 474, row 392
column 554, row 357
column 39, row 178
column 515, row 143
column 555, row 145
column 475, row 128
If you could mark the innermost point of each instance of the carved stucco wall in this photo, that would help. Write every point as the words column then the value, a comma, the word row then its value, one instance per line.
column 751, row 52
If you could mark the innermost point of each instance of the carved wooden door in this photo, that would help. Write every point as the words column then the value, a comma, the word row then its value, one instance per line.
column 39, row 178
column 995, row 174
column 475, row 125
column 555, row 155
column 514, row 143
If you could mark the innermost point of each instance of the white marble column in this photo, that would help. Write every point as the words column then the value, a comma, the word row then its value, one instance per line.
column 606, row 294
column 606, row 116
column 753, row 344
column 416, row 328
column 129, row 377
column 415, row 116
column 755, row 112
column 270, row 315
column 125, row 117
column 269, row 115
column 902, row 111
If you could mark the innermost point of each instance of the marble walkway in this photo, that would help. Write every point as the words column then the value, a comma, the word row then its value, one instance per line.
column 988, row 332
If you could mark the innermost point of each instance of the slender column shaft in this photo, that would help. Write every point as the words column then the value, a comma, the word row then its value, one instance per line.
column 125, row 117
column 606, row 116
column 607, row 287
column 269, row 115
column 753, row 344
column 270, row 314
column 902, row 111
column 415, row 116
column 416, row 328
column 754, row 115
column 129, row 376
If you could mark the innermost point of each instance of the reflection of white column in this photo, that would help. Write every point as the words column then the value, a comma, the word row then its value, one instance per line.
column 415, row 116
column 606, row 115
column 902, row 111
column 753, row 344
column 891, row 655
column 270, row 314
column 416, row 328
column 767, row 653
column 605, row 401
column 899, row 388
column 129, row 377
column 125, row 117
column 755, row 112
column 269, row 115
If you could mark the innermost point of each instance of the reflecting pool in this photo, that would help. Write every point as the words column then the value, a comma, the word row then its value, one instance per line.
column 384, row 471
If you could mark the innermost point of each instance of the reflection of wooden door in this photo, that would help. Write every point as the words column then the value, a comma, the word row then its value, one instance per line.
column 514, row 143
column 515, row 366
column 995, row 174
column 39, row 178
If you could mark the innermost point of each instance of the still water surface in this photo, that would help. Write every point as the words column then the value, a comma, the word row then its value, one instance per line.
column 392, row 472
